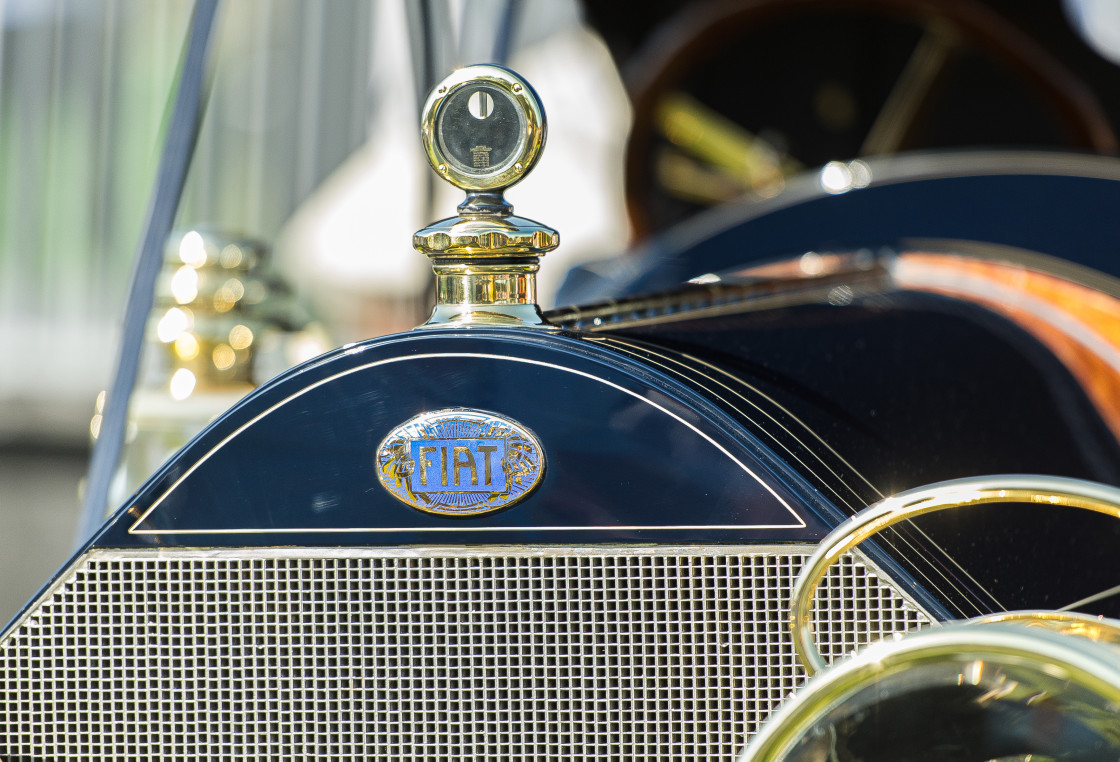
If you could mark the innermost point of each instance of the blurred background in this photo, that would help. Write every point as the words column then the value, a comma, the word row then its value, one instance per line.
column 309, row 180
column 308, row 157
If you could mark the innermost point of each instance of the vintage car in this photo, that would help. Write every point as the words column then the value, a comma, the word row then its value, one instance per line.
column 593, row 532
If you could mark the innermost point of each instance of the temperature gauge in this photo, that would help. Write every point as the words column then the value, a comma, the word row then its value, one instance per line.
column 483, row 128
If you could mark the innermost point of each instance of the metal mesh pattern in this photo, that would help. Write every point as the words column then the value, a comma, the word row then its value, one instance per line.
column 657, row 654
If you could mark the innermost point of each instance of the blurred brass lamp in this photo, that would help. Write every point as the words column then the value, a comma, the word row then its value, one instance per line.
column 1030, row 685
column 222, row 324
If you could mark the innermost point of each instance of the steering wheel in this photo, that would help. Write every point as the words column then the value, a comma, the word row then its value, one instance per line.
column 683, row 148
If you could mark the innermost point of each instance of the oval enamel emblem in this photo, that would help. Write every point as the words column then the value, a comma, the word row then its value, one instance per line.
column 460, row 462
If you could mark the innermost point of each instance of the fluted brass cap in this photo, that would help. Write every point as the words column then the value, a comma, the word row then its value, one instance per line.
column 486, row 237
column 483, row 130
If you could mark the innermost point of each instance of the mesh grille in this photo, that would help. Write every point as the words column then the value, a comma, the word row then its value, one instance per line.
column 597, row 654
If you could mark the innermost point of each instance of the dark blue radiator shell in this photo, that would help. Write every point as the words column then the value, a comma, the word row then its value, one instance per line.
column 632, row 455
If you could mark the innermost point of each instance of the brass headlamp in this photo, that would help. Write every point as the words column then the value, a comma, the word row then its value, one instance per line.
column 1025, row 685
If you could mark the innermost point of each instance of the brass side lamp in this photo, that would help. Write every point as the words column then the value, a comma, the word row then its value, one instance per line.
column 483, row 130
column 222, row 324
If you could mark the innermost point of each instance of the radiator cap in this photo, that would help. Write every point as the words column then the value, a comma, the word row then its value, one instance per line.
column 483, row 130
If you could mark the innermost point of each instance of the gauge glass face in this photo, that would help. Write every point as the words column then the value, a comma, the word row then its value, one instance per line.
column 481, row 130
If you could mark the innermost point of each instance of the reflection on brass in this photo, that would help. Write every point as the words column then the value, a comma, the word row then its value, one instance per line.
column 1084, row 625
column 532, row 129
column 485, row 260
column 963, row 691
column 485, row 293
column 1045, row 490
column 479, row 236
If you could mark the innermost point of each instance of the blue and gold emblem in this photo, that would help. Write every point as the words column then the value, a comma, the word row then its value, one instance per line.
column 460, row 462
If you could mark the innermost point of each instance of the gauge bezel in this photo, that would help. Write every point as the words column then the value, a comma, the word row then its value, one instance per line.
column 532, row 124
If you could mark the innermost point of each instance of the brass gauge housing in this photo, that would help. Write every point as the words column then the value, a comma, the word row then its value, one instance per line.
column 483, row 130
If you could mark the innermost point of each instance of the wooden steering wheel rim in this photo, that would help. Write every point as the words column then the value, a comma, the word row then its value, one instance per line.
column 690, row 35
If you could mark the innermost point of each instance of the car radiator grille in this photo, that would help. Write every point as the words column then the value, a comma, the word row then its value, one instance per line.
column 661, row 653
